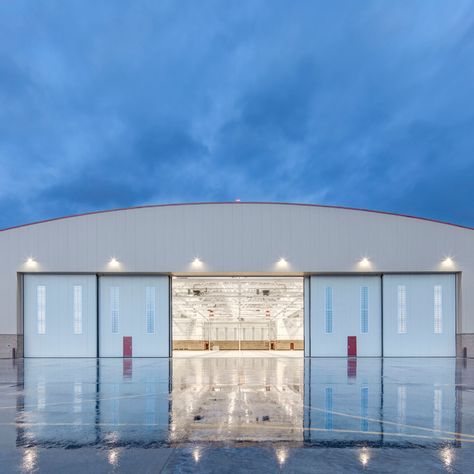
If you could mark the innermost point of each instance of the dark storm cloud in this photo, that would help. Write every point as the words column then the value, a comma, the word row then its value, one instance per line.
column 111, row 104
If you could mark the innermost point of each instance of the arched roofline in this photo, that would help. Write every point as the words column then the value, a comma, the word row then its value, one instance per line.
column 324, row 206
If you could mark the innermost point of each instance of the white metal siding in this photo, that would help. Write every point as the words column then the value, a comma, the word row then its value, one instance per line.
column 51, row 316
column 124, row 312
column 422, row 309
column 232, row 238
column 348, row 311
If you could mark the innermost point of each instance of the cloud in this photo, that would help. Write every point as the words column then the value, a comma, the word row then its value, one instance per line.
column 366, row 106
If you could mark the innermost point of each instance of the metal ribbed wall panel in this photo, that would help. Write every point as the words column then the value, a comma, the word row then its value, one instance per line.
column 246, row 238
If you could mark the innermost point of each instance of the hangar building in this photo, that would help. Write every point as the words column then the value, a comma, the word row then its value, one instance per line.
column 154, row 281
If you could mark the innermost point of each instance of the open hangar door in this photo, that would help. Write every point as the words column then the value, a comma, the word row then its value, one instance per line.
column 419, row 315
column 60, row 315
column 134, row 316
column 237, row 313
column 346, row 316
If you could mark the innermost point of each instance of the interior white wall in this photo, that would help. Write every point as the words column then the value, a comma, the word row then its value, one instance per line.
column 59, row 339
column 346, row 316
column 132, row 316
column 420, row 338
column 198, row 330
column 289, row 328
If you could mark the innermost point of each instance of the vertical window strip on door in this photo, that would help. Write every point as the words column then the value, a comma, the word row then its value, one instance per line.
column 438, row 309
column 77, row 290
column 402, row 309
column 41, row 308
column 150, row 309
column 364, row 309
column 114, row 308
column 329, row 310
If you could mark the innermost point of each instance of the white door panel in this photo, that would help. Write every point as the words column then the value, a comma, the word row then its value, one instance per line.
column 414, row 323
column 345, row 314
column 125, row 307
column 60, row 316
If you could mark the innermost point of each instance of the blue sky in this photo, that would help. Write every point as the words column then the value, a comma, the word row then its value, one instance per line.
column 114, row 103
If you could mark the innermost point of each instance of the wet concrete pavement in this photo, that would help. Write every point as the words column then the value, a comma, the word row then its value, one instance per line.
column 237, row 414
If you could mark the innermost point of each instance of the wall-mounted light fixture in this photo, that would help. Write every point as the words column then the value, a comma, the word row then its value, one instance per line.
column 114, row 263
column 282, row 262
column 364, row 262
column 197, row 262
column 31, row 262
column 448, row 262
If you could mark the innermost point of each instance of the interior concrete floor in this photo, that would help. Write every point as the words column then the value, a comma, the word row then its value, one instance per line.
column 237, row 354
column 237, row 414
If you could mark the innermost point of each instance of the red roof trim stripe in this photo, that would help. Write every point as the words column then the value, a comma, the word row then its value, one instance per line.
column 239, row 203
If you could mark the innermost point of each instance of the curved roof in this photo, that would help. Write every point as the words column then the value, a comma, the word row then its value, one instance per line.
column 239, row 203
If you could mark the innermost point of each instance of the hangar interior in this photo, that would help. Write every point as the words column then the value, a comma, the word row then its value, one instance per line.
column 237, row 313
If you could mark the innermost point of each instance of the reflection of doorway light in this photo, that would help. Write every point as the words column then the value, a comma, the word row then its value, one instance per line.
column 113, row 456
column 364, row 456
column 282, row 455
column 30, row 456
column 196, row 455
column 447, row 456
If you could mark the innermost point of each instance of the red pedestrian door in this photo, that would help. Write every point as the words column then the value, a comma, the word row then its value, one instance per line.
column 127, row 346
column 351, row 346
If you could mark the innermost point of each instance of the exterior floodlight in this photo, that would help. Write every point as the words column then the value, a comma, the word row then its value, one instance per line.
column 448, row 262
column 114, row 263
column 281, row 264
column 197, row 262
column 364, row 262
